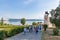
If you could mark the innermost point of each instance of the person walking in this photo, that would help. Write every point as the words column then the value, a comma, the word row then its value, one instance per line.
column 25, row 30
column 39, row 26
column 36, row 30
column 30, row 28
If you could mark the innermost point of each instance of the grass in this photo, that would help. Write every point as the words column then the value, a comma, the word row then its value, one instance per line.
column 8, row 27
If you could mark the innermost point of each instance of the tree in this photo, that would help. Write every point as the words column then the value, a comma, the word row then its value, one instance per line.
column 1, row 21
column 56, row 14
column 23, row 21
column 34, row 23
column 52, row 12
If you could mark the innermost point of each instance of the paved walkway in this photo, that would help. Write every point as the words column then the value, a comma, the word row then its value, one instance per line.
column 28, row 36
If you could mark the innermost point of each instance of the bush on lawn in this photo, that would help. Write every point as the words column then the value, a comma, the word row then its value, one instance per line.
column 12, row 32
column 2, row 34
column 55, row 31
column 15, row 31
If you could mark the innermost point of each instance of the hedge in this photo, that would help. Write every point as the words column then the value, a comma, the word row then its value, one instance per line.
column 12, row 32
column 55, row 31
column 56, row 22
column 2, row 34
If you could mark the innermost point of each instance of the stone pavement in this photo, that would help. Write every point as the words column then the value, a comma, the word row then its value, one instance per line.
column 28, row 36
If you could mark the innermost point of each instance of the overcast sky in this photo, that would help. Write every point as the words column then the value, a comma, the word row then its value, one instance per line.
column 33, row 9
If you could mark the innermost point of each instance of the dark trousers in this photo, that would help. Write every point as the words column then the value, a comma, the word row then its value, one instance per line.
column 45, row 27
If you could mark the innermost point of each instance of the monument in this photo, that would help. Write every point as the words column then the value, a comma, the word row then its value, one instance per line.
column 47, row 20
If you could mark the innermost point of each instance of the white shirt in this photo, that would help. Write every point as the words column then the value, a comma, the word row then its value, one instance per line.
column 24, row 29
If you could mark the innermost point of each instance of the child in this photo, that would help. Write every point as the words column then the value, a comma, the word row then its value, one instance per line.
column 25, row 30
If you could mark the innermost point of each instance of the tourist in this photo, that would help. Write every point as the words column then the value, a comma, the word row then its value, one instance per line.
column 39, row 26
column 25, row 30
column 45, row 27
column 36, row 30
column 30, row 28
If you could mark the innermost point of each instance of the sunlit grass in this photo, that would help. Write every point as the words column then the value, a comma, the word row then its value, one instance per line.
column 7, row 27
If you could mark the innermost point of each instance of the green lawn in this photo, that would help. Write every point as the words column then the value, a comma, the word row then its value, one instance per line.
column 8, row 27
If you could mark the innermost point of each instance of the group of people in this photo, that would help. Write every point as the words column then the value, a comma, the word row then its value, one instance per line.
column 36, row 29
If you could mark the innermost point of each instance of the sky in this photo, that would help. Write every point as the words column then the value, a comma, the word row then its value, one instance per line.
column 29, row 9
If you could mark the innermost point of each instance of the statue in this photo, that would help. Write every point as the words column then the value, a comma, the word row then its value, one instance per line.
column 46, row 20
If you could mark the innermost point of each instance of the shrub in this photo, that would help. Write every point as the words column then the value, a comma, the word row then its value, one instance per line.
column 2, row 34
column 34, row 23
column 6, row 33
column 14, row 31
column 19, row 29
column 55, row 31
column 56, row 22
column 27, row 26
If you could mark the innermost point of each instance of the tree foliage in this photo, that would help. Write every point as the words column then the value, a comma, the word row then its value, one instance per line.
column 52, row 12
column 1, row 21
column 34, row 23
column 23, row 21
column 56, row 13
